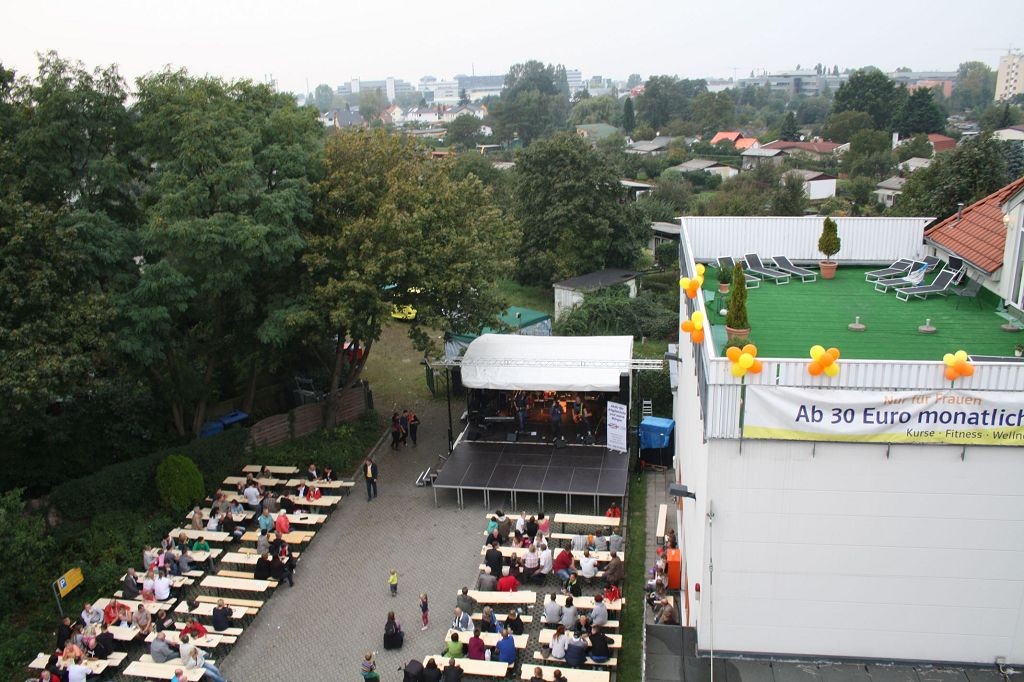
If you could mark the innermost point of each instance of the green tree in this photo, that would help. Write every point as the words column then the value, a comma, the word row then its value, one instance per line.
column 26, row 570
column 790, row 130
column 569, row 203
column 463, row 131
column 789, row 198
column 392, row 228
column 920, row 113
column 871, row 91
column 179, row 483
column 713, row 111
column 829, row 243
column 534, row 102
column 813, row 110
column 737, row 308
column 842, row 126
column 371, row 104
column 463, row 97
column 628, row 116
column 611, row 311
column 603, row 109
column 870, row 155
column 634, row 80
column 918, row 146
column 971, row 171
column 323, row 97
column 667, row 97
column 1000, row 115
column 975, row 87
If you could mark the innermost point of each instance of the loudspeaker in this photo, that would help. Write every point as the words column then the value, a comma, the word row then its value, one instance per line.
column 511, row 437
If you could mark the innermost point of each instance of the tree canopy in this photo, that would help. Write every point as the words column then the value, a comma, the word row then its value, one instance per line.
column 534, row 102
column 871, row 91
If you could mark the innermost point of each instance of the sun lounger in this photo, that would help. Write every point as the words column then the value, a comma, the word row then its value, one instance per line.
column 931, row 262
column 913, row 279
column 940, row 285
column 898, row 268
column 727, row 263
column 784, row 264
column 754, row 265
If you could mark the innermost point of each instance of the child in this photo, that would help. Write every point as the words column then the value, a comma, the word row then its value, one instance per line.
column 393, row 582
column 424, row 611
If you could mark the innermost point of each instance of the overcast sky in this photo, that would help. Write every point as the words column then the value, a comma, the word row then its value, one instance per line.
column 331, row 42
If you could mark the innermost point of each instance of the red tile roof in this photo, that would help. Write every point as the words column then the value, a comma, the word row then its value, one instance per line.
column 941, row 143
column 745, row 143
column 979, row 235
column 823, row 147
column 732, row 136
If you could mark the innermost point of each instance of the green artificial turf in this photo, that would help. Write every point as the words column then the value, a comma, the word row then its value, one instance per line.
column 786, row 320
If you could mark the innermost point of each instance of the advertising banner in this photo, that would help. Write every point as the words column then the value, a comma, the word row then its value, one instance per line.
column 947, row 416
column 617, row 425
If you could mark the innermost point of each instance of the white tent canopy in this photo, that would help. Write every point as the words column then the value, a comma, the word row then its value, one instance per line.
column 547, row 363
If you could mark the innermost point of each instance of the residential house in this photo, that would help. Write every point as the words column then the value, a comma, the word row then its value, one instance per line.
column 817, row 185
column 1010, row 76
column 706, row 166
column 945, row 86
column 570, row 293
column 662, row 233
column 820, row 150
column 752, row 158
column 451, row 113
column 656, row 147
column 887, row 190
column 913, row 163
column 343, row 118
column 989, row 236
column 941, row 143
column 428, row 114
column 737, row 138
column 595, row 132
column 394, row 115
column 1013, row 133
column 636, row 189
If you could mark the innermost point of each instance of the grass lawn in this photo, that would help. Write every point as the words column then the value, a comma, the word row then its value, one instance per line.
column 632, row 617
column 396, row 377
column 786, row 320
column 534, row 297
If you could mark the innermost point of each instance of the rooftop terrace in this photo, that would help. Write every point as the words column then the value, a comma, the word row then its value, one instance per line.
column 787, row 320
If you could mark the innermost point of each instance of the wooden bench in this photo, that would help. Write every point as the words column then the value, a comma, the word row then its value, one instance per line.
column 526, row 619
column 247, row 575
column 210, row 641
column 662, row 522
column 504, row 571
column 133, row 605
column 233, row 481
column 491, row 638
column 509, row 552
column 325, row 485
column 276, row 470
column 610, row 663
column 230, row 601
column 568, row 674
column 587, row 603
column 615, row 641
column 585, row 520
column 206, row 610
column 525, row 597
column 160, row 671
column 247, row 515
column 237, row 584
column 246, row 556
column 208, row 535
column 295, row 537
column 226, row 632
column 473, row 667
column 96, row 665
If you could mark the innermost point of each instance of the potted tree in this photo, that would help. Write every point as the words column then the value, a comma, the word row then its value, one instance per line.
column 1018, row 350
column 724, row 278
column 829, row 244
column 736, row 323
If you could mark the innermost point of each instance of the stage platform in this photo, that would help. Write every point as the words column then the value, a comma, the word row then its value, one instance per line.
column 537, row 468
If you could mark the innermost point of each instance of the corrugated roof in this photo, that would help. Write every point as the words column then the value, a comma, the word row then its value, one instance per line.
column 894, row 183
column 978, row 234
column 941, row 143
column 823, row 147
column 597, row 280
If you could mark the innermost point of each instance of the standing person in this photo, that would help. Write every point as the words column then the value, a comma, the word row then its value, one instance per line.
column 521, row 411
column 396, row 431
column 370, row 471
column 424, row 611
column 393, row 582
column 403, row 421
column 369, row 668
column 555, row 416
column 414, row 426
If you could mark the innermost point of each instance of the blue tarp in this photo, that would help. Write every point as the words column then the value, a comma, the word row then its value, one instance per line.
column 655, row 432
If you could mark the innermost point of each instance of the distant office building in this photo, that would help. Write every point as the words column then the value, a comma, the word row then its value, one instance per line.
column 479, row 87
column 1010, row 78
column 804, row 82
column 719, row 84
column 439, row 91
column 390, row 87
column 575, row 79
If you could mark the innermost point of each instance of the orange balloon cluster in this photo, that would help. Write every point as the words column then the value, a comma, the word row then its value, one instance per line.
column 692, row 286
column 823, row 361
column 744, row 360
column 694, row 326
column 957, row 365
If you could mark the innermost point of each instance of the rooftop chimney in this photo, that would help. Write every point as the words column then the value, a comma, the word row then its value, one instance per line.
column 959, row 211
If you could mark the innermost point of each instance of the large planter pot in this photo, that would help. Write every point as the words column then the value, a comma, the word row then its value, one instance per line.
column 737, row 334
column 723, row 287
column 828, row 268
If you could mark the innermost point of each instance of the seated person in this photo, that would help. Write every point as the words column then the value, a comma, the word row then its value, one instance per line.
column 393, row 635
column 576, row 651
column 162, row 621
column 506, row 648
column 104, row 643
column 161, row 650
column 142, row 620
column 280, row 570
column 213, row 524
column 452, row 672
column 613, row 511
column 508, row 583
column 282, row 525
column 476, row 647
column 488, row 620
column 514, row 623
column 573, row 586
column 328, row 474
column 130, row 587
column 454, row 648
column 600, row 645
column 263, row 567
column 222, row 616
column 486, row 582
column 431, row 673
column 194, row 628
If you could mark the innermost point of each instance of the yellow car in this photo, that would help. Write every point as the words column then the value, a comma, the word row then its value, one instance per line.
column 405, row 312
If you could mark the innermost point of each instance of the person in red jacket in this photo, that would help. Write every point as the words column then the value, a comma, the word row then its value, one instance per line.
column 613, row 511
column 508, row 583
column 282, row 525
column 563, row 563
column 194, row 629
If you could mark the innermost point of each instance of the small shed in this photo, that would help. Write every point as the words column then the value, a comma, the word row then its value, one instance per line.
column 569, row 293
column 522, row 322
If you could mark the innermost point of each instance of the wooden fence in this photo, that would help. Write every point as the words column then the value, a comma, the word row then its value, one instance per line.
column 307, row 419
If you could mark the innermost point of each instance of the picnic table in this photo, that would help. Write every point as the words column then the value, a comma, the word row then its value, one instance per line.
column 265, row 482
column 160, row 671
column 615, row 640
column 492, row 638
column 473, row 667
column 206, row 609
column 208, row 535
column 586, row 520
column 524, row 597
column 276, row 470
column 573, row 674
column 96, row 665
column 238, row 518
column 210, row 641
column 293, row 538
column 333, row 485
column 588, row 602
column 509, row 552
column 238, row 584
column 133, row 604
column 124, row 633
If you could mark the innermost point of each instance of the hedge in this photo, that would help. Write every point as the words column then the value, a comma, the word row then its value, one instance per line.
column 131, row 484
column 179, row 483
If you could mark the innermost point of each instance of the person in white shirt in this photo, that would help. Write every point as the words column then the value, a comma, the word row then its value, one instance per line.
column 252, row 497
column 91, row 615
column 197, row 659
column 214, row 523
column 588, row 566
column 552, row 611
column 521, row 523
column 78, row 672
column 162, row 587
column 579, row 542
column 559, row 642
column 546, row 563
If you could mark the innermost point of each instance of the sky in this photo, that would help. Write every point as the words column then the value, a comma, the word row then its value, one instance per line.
column 297, row 41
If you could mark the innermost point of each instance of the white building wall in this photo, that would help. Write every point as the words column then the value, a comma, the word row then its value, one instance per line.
column 837, row 550
column 820, row 189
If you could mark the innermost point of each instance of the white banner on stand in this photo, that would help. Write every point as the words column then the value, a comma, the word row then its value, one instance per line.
column 617, row 425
